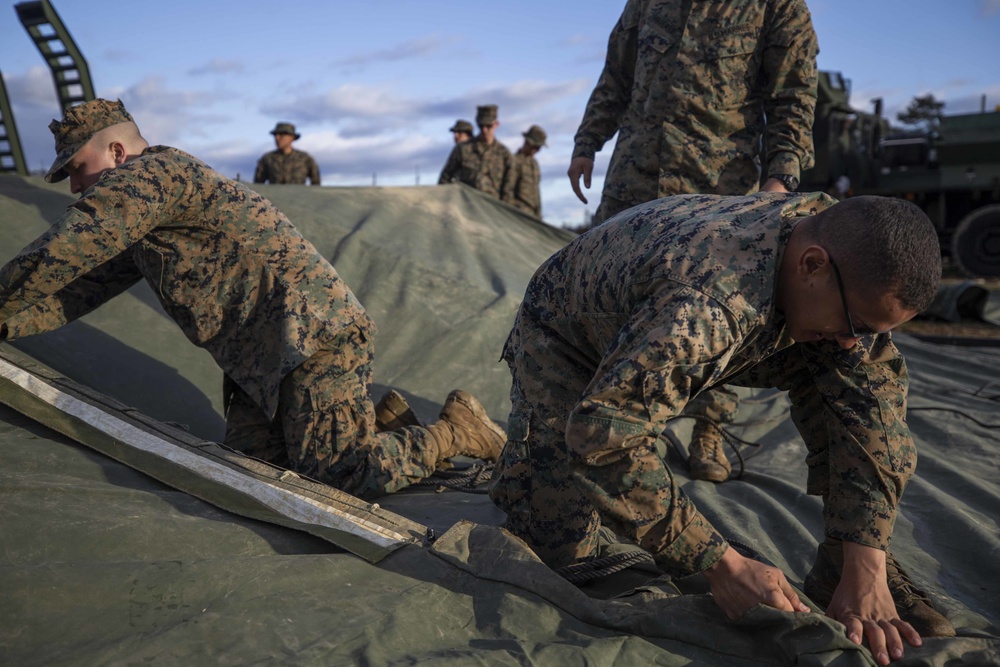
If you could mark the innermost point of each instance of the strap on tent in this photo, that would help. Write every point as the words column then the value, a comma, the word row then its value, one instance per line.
column 206, row 470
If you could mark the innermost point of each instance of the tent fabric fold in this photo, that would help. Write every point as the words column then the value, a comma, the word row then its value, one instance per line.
column 110, row 555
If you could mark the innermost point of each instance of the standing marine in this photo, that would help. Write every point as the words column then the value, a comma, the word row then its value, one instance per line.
column 522, row 188
column 285, row 164
column 483, row 162
column 703, row 96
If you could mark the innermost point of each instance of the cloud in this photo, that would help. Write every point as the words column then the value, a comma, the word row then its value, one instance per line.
column 414, row 48
column 168, row 116
column 33, row 104
column 360, row 109
column 218, row 66
column 989, row 7
column 347, row 160
column 33, row 88
column 972, row 102
column 959, row 96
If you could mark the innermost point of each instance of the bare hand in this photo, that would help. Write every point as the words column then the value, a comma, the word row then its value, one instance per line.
column 739, row 583
column 862, row 602
column 580, row 166
column 773, row 185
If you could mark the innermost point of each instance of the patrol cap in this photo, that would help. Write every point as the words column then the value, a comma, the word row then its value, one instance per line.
column 535, row 136
column 78, row 126
column 285, row 128
column 462, row 126
column 486, row 114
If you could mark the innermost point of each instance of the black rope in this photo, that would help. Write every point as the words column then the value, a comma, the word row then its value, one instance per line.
column 598, row 568
column 467, row 480
column 930, row 408
column 579, row 573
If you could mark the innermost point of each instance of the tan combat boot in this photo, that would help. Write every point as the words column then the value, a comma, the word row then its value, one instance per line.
column 465, row 428
column 393, row 413
column 912, row 604
column 707, row 458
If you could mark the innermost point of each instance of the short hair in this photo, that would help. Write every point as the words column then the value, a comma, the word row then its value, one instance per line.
column 127, row 133
column 886, row 244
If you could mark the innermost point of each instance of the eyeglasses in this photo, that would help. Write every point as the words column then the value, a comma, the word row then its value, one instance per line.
column 851, row 331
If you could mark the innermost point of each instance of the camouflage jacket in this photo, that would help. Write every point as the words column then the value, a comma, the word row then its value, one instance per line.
column 675, row 298
column 687, row 86
column 228, row 267
column 296, row 167
column 481, row 165
column 521, row 189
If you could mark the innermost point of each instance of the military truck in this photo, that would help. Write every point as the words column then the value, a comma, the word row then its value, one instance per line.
column 951, row 172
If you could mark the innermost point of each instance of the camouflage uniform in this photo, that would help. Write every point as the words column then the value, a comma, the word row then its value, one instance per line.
column 521, row 189
column 481, row 165
column 621, row 328
column 687, row 86
column 240, row 281
column 295, row 167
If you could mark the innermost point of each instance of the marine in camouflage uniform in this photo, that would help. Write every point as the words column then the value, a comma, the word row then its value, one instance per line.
column 688, row 87
column 521, row 188
column 241, row 282
column 483, row 162
column 285, row 165
column 618, row 331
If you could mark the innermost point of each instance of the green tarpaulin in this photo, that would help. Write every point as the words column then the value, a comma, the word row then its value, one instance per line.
column 102, row 564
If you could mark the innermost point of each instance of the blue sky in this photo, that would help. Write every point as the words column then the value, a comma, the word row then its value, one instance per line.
column 374, row 85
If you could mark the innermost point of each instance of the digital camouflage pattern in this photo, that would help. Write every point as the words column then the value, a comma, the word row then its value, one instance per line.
column 227, row 266
column 481, row 165
column 687, row 86
column 293, row 168
column 230, row 269
column 325, row 427
column 77, row 126
column 620, row 329
column 521, row 189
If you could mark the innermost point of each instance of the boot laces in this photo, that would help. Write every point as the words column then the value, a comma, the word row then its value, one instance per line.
column 901, row 585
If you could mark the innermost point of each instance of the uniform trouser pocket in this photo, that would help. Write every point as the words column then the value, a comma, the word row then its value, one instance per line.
column 533, row 483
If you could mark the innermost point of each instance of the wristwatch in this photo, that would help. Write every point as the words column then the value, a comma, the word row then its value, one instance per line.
column 790, row 182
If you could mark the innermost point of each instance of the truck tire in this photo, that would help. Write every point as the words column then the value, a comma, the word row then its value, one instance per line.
column 975, row 245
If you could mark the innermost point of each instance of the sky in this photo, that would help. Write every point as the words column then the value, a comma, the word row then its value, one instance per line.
column 374, row 85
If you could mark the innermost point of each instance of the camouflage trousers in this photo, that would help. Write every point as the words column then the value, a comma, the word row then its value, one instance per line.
column 558, row 503
column 559, row 484
column 719, row 404
column 324, row 427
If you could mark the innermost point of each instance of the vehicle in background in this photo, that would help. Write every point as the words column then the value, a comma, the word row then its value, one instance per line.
column 951, row 170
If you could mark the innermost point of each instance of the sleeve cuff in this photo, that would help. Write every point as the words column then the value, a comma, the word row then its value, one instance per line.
column 784, row 163
column 698, row 548
column 584, row 150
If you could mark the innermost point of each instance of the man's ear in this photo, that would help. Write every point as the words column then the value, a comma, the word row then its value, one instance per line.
column 813, row 261
column 118, row 152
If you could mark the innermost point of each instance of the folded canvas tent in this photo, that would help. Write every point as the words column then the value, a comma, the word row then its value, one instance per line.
column 128, row 536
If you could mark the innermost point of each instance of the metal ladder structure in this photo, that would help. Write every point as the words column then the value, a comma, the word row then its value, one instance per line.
column 11, row 155
column 70, row 72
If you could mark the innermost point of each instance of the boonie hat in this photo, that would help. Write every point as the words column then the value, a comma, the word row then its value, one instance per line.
column 535, row 135
column 78, row 125
column 486, row 114
column 285, row 128
column 462, row 126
